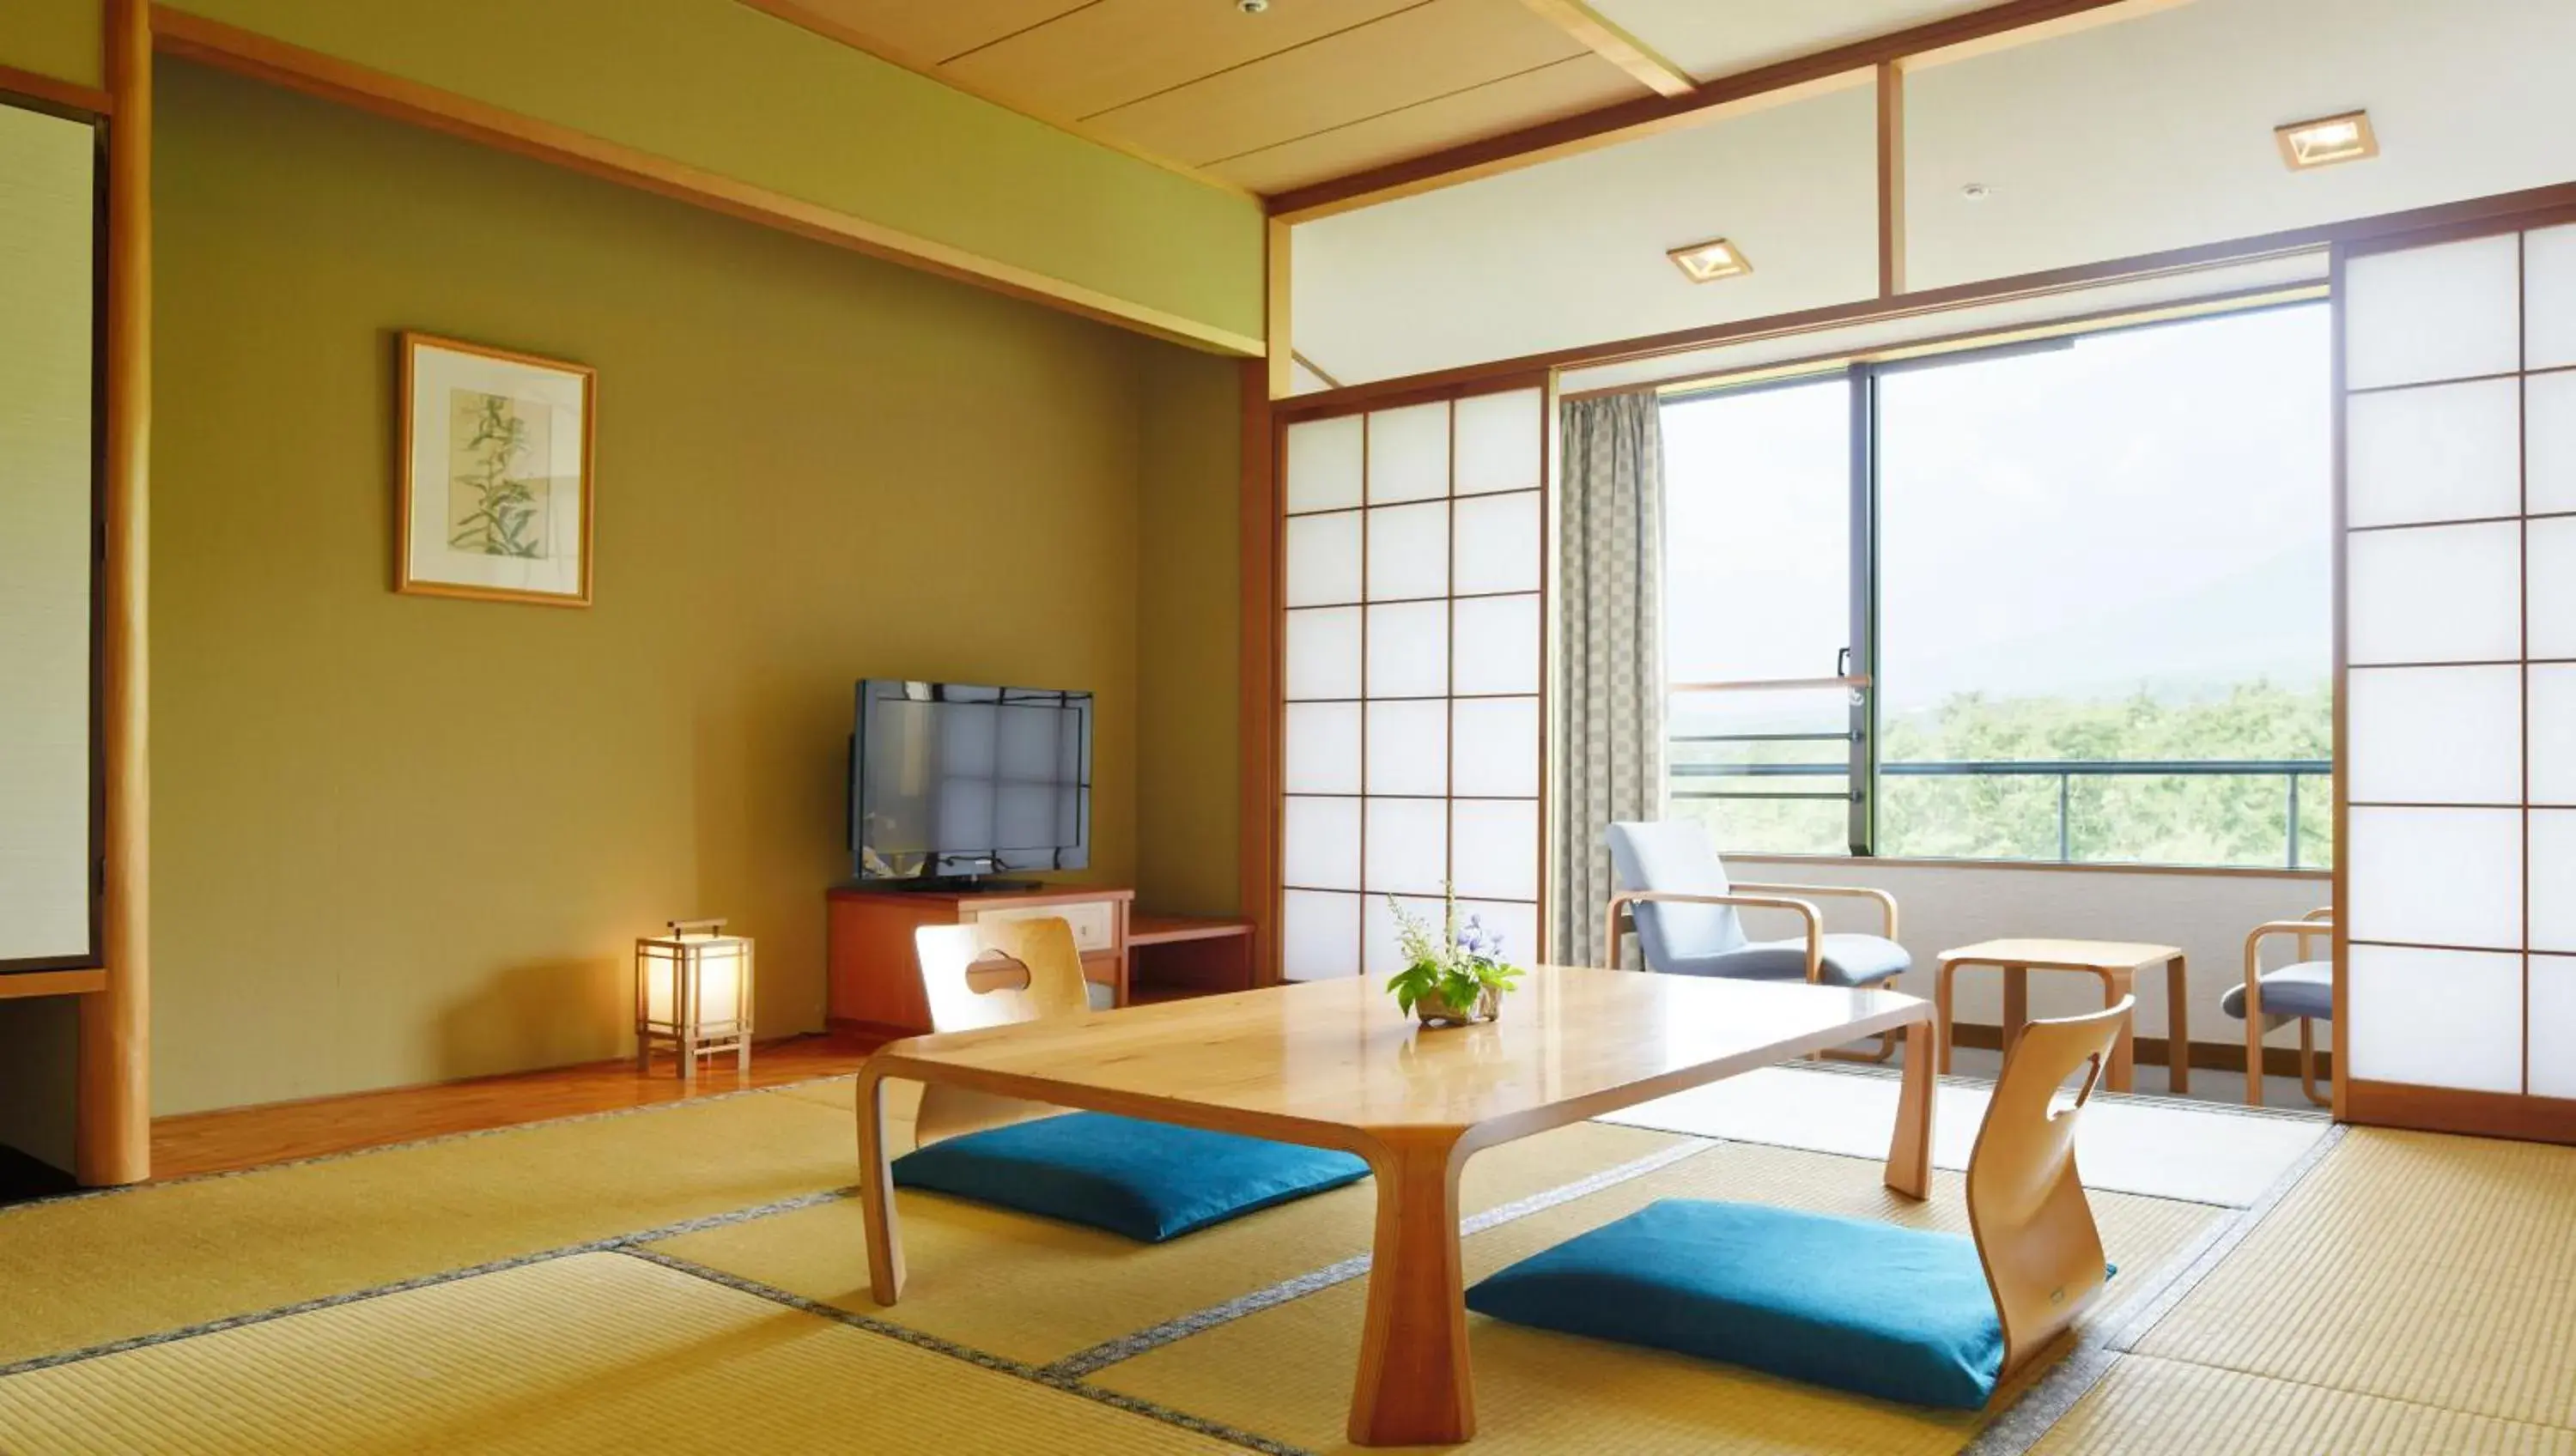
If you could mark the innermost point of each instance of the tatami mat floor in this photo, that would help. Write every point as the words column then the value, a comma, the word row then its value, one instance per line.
column 689, row 1279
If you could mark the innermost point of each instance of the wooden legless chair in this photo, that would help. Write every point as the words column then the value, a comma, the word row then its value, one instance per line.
column 992, row 973
column 2034, row 1230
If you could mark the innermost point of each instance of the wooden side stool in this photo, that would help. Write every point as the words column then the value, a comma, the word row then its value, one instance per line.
column 2116, row 962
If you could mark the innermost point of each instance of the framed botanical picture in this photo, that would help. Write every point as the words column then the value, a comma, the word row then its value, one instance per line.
column 496, row 488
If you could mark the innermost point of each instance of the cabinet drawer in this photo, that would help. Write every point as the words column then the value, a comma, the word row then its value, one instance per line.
column 1094, row 922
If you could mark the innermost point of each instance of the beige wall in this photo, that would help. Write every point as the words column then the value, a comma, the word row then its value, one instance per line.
column 719, row 85
column 1189, row 615
column 63, row 39
column 404, row 838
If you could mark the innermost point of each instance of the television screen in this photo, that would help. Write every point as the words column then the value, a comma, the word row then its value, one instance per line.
column 954, row 780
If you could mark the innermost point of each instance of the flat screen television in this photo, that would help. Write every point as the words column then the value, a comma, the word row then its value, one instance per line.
column 951, row 783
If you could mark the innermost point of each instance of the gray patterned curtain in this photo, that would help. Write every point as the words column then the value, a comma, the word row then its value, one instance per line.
column 1610, row 721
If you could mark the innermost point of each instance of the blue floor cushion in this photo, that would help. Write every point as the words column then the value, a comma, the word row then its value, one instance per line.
column 1150, row 1181
column 1898, row 1313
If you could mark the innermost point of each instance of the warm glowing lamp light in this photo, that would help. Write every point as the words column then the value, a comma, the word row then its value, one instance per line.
column 2328, row 139
column 1709, row 261
column 693, row 994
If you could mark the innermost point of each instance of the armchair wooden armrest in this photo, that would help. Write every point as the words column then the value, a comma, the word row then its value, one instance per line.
column 1805, row 910
column 2307, row 927
column 1886, row 901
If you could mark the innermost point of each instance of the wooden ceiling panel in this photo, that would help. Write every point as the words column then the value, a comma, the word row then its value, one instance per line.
column 1577, row 83
column 921, row 35
column 1430, row 51
column 1113, row 52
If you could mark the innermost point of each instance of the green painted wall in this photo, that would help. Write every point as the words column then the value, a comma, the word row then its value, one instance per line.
column 58, row 38
column 404, row 838
column 1189, row 616
column 729, row 88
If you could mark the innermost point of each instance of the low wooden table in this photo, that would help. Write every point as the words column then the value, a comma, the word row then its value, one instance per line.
column 1334, row 1064
column 2116, row 962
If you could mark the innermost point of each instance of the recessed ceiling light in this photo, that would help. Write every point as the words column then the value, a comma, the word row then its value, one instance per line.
column 1709, row 261
column 1976, row 191
column 2327, row 140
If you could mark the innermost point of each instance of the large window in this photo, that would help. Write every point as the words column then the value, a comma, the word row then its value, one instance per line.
column 2067, row 600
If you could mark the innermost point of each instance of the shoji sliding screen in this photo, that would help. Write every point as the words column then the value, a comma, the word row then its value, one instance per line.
column 1413, row 673
column 2458, row 878
column 48, row 446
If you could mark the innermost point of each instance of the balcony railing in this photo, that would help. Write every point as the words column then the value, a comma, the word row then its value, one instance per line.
column 2064, row 771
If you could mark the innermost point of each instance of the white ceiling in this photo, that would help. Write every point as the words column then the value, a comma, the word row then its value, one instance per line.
column 1572, row 251
column 1710, row 38
column 2157, row 132
column 2150, row 133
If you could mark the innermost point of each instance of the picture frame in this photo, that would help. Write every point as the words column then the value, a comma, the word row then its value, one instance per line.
column 495, row 499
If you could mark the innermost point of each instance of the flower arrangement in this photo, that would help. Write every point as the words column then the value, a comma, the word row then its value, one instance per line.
column 1454, row 977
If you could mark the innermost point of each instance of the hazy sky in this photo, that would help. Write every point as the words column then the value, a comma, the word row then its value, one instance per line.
column 2146, row 509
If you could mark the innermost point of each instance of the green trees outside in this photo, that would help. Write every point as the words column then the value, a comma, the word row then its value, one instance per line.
column 2159, row 819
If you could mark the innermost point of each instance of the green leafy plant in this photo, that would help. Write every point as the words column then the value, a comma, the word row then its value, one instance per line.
column 505, row 508
column 1453, row 967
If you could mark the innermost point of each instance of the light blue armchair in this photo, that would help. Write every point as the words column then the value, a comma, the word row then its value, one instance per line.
column 1674, row 891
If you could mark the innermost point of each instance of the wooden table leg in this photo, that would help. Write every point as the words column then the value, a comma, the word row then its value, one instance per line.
column 2016, row 1005
column 876, row 1193
column 1941, row 1012
column 1909, row 1152
column 1415, row 1387
column 2177, row 1027
column 2122, row 1072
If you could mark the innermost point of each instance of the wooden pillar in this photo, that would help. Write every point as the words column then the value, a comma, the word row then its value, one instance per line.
column 114, row 1116
column 1257, row 862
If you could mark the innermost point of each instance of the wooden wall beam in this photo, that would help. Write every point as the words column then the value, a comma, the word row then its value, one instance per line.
column 278, row 63
column 112, row 1134
column 1608, row 124
column 64, row 94
column 1608, row 40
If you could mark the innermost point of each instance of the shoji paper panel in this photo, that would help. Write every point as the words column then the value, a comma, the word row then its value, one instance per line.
column 2437, row 1018
column 47, row 201
column 2553, row 1026
column 2459, row 704
column 1415, row 543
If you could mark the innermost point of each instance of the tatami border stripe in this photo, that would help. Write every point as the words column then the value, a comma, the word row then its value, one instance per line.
column 424, row 1281
column 2016, row 1431
column 1050, row 1377
column 1127, row 1347
column 2149, row 1099
column 84, row 1195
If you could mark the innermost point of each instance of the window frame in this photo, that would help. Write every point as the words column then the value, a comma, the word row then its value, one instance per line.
column 1860, row 674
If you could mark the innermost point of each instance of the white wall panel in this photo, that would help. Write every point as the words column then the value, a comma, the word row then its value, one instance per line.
column 2155, row 131
column 1571, row 251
